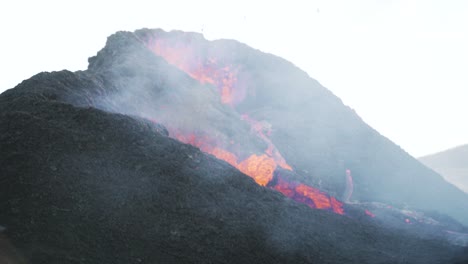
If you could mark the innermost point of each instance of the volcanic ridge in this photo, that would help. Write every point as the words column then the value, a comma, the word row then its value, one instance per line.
column 171, row 148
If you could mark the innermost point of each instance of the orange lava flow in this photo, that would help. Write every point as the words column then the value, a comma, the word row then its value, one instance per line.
column 186, row 56
column 313, row 197
column 336, row 206
column 260, row 168
column 225, row 155
column 224, row 77
column 263, row 129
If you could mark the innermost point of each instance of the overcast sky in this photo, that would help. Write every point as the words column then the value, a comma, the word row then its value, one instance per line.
column 402, row 65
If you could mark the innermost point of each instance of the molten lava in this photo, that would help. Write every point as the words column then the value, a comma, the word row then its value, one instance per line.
column 260, row 168
column 188, row 56
column 313, row 197
column 262, row 128
column 182, row 55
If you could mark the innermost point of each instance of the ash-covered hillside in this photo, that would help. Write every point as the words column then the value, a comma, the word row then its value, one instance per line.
column 80, row 185
column 153, row 157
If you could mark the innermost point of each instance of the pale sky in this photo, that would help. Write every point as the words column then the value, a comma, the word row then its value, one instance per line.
column 402, row 64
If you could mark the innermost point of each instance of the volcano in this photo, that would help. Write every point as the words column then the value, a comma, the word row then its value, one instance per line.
column 256, row 103
column 171, row 148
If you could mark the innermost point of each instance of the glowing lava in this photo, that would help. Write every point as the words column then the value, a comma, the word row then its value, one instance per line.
column 263, row 130
column 313, row 197
column 260, row 168
column 182, row 55
column 188, row 56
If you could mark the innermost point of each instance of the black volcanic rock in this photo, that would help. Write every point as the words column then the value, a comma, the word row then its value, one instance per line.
column 83, row 185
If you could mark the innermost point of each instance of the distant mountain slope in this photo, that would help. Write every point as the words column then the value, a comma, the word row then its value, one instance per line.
column 452, row 164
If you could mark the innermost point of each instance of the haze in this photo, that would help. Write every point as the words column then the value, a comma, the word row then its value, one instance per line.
column 400, row 64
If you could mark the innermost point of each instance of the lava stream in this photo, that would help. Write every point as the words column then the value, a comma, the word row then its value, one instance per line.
column 261, row 167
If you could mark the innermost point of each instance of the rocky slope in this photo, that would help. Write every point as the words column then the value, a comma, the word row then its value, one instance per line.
column 80, row 185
